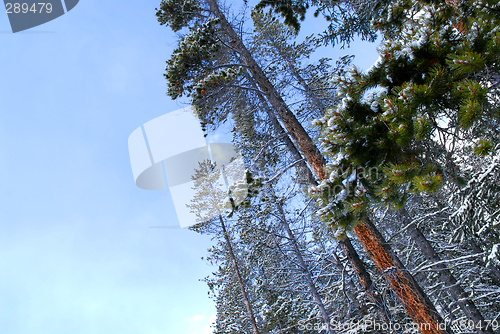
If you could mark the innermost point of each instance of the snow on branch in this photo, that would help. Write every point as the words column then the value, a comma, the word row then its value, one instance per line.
column 265, row 146
column 447, row 261
column 277, row 176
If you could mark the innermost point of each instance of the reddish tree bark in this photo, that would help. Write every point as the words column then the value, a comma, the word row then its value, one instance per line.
column 416, row 303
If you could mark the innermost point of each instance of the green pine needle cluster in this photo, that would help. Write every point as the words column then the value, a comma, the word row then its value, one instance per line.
column 430, row 79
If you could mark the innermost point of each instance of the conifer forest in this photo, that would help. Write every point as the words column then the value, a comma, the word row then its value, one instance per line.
column 373, row 200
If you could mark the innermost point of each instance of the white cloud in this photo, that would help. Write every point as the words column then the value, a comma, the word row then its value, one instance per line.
column 208, row 327
column 200, row 324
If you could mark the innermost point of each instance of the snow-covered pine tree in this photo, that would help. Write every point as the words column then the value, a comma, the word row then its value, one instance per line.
column 288, row 293
column 272, row 246
column 281, row 299
column 215, row 106
column 476, row 209
column 366, row 232
column 304, row 270
column 462, row 257
column 231, row 313
column 195, row 72
column 274, row 44
column 254, row 149
column 288, row 301
column 347, row 18
column 435, row 75
column 206, row 204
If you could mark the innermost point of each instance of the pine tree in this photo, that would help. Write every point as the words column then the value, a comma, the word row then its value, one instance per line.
column 346, row 18
column 272, row 38
column 278, row 307
column 231, row 314
column 274, row 230
column 463, row 258
column 288, row 292
column 421, row 310
column 302, row 265
column 476, row 210
column 434, row 76
column 206, row 203
column 274, row 43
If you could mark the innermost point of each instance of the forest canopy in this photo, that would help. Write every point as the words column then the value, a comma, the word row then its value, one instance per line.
column 373, row 196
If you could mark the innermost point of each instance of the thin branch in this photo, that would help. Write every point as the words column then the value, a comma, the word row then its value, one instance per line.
column 277, row 176
column 447, row 261
column 265, row 147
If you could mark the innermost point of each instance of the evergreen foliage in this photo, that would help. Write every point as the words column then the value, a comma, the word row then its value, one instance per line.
column 418, row 131
column 347, row 19
column 428, row 89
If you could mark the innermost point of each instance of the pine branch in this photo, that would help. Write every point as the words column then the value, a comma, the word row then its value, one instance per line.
column 277, row 176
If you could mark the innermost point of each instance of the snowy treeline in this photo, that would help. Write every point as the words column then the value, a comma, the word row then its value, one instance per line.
column 374, row 201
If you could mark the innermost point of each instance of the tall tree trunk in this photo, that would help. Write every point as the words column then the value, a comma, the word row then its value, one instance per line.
column 302, row 265
column 416, row 303
column 365, row 279
column 238, row 276
column 349, row 251
column 307, row 174
column 457, row 294
column 352, row 292
column 347, row 247
column 412, row 297
column 295, row 72
column 308, row 90
column 299, row 135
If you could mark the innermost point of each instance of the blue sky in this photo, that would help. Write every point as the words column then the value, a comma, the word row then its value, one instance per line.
column 76, row 251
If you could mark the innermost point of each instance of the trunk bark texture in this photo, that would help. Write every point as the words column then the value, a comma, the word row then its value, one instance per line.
column 365, row 279
column 412, row 297
column 349, row 251
column 414, row 300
